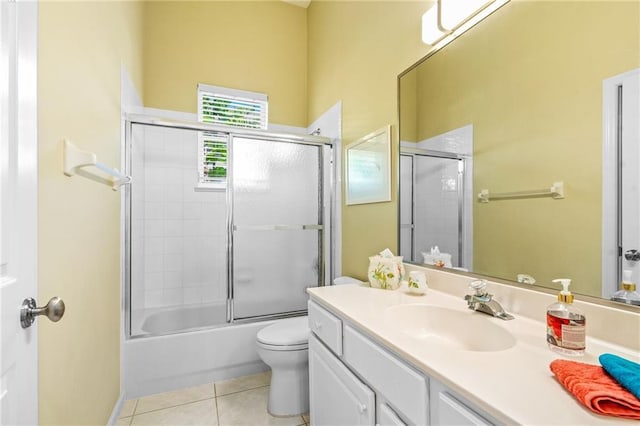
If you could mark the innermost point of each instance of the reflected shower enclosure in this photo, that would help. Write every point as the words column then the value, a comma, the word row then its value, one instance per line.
column 434, row 207
column 243, row 249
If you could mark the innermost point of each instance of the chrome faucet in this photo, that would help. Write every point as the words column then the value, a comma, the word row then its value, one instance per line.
column 482, row 301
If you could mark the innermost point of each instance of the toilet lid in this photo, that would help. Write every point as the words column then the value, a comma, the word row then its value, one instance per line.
column 290, row 331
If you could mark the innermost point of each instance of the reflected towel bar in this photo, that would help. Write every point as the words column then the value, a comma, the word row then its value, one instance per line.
column 75, row 160
column 556, row 192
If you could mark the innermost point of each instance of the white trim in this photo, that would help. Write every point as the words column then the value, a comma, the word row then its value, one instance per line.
column 330, row 125
column 129, row 102
column 117, row 408
column 610, row 181
column 237, row 93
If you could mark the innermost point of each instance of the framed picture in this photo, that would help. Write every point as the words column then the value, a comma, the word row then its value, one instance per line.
column 368, row 168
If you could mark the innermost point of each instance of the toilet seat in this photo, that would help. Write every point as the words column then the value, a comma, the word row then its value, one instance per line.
column 286, row 335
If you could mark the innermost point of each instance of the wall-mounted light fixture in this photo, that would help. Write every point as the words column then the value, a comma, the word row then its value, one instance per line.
column 447, row 19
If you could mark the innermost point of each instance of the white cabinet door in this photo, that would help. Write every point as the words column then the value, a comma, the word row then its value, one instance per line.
column 387, row 417
column 447, row 410
column 337, row 396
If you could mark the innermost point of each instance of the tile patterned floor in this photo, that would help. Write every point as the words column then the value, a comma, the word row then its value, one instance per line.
column 240, row 401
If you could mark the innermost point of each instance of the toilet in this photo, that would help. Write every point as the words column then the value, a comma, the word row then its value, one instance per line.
column 284, row 347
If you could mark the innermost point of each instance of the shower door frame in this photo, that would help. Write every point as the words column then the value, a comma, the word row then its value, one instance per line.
column 325, row 235
column 320, row 227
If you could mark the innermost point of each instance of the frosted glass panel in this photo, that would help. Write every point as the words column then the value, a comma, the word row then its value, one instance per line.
column 436, row 195
column 272, row 270
column 274, row 183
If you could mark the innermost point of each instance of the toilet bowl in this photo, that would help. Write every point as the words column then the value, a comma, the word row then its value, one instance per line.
column 284, row 348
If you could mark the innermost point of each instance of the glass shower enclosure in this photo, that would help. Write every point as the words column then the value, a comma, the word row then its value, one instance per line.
column 241, row 247
column 432, row 207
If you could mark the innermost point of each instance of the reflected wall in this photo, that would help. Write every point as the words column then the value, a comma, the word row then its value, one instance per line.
column 529, row 79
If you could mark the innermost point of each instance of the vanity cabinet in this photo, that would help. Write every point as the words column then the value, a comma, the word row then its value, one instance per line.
column 336, row 395
column 358, row 382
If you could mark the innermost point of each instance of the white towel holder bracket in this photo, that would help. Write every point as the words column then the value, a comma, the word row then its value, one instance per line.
column 556, row 191
column 75, row 160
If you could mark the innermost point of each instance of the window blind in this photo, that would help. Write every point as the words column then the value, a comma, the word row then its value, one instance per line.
column 232, row 107
column 212, row 159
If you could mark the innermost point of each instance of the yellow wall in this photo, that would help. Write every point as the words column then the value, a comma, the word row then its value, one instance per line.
column 534, row 96
column 356, row 51
column 255, row 46
column 81, row 47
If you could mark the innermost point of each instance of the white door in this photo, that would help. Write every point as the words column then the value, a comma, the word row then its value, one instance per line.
column 18, row 210
column 621, row 180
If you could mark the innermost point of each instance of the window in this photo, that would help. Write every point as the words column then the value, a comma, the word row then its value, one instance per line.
column 227, row 107
column 212, row 160
column 231, row 107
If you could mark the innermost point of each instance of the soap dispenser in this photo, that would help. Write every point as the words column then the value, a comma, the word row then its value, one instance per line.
column 627, row 294
column 566, row 325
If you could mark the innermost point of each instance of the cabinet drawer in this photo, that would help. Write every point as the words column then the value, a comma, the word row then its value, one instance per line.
column 403, row 387
column 326, row 326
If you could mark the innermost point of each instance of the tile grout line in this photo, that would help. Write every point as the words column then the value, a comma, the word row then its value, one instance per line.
column 217, row 411
column 243, row 390
column 177, row 405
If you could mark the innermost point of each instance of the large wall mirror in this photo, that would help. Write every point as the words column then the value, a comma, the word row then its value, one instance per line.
column 536, row 95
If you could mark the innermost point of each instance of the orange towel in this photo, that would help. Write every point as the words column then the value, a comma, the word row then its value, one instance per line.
column 593, row 387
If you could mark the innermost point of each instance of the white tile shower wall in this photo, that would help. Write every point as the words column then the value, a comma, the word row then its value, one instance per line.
column 436, row 206
column 184, row 237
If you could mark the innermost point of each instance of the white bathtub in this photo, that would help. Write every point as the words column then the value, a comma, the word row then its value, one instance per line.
column 172, row 320
column 163, row 363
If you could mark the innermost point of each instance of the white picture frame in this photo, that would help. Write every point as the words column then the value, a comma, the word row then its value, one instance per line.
column 368, row 168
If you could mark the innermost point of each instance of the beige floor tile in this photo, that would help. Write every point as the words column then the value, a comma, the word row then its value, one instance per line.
column 174, row 398
column 250, row 408
column 305, row 417
column 124, row 421
column 195, row 413
column 128, row 408
column 243, row 383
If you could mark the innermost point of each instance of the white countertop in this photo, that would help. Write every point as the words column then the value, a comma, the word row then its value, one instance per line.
column 513, row 385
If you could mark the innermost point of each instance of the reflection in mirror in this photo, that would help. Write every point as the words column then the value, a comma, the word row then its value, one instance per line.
column 367, row 168
column 528, row 97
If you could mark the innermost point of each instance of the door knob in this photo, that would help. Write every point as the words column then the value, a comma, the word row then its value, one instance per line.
column 633, row 255
column 54, row 310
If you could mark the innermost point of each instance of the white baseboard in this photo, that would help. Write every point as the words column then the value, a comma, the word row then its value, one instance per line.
column 116, row 410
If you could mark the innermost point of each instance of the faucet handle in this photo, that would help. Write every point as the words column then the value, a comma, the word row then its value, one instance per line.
column 479, row 287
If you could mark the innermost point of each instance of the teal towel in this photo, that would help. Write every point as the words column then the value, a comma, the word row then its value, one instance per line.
column 626, row 372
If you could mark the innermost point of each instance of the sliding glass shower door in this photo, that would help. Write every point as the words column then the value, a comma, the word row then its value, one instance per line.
column 277, row 225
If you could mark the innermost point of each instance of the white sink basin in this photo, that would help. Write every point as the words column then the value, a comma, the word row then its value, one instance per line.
column 449, row 328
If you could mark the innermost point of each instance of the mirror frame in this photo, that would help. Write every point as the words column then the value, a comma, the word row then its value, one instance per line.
column 472, row 275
